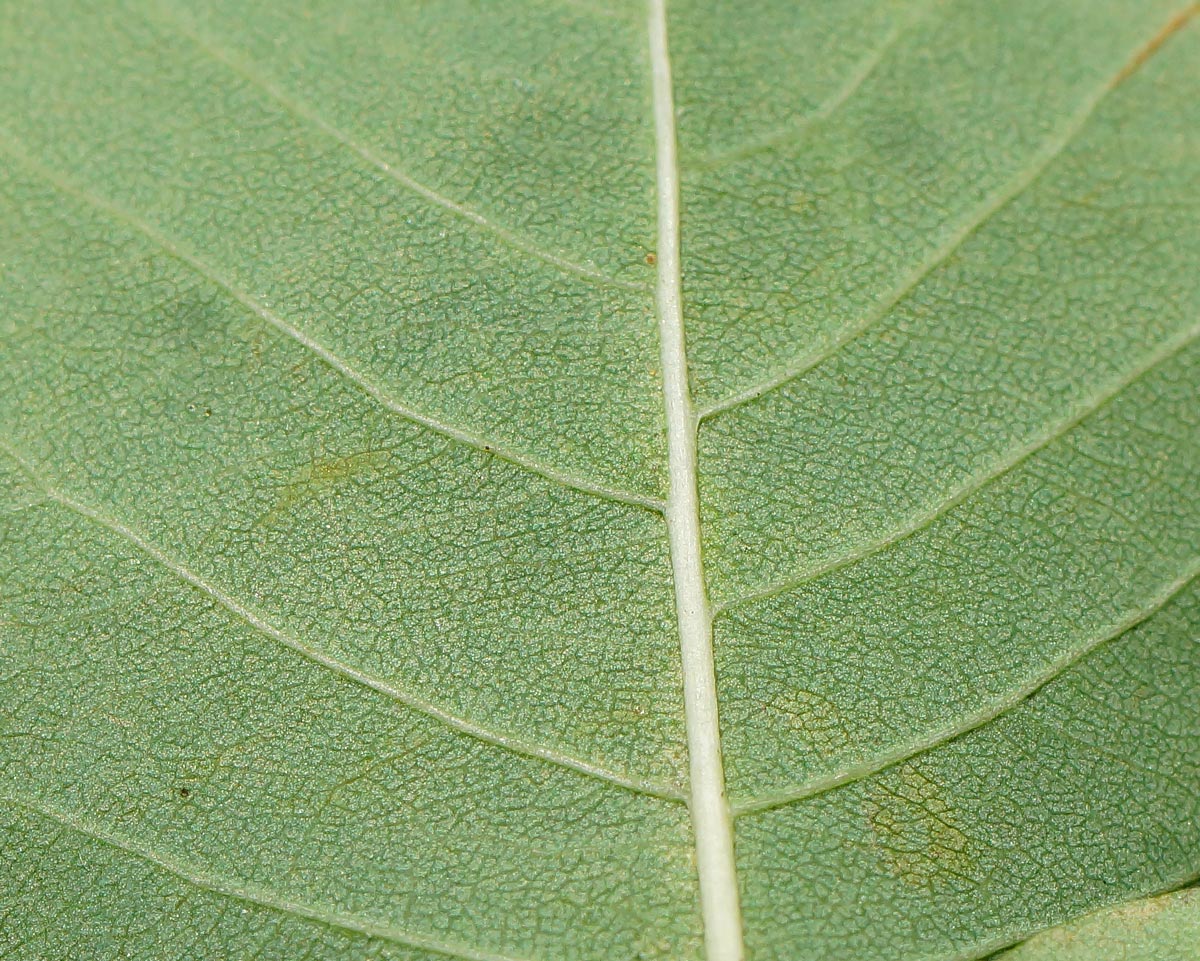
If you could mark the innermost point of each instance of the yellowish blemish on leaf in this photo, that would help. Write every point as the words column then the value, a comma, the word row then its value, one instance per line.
column 815, row 720
column 320, row 476
column 916, row 831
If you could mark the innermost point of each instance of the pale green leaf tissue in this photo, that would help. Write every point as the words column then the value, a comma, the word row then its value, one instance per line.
column 587, row 480
column 1164, row 928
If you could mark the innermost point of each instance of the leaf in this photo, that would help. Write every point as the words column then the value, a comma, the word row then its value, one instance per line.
column 1166, row 928
column 368, row 589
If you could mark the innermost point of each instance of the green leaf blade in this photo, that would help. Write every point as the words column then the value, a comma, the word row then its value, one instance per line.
column 978, row 842
column 1165, row 928
column 353, row 568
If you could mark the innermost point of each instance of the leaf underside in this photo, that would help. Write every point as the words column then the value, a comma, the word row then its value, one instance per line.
column 1164, row 928
column 336, row 601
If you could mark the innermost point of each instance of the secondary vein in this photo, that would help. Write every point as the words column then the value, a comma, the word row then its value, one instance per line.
column 997, row 201
column 858, row 77
column 985, row 715
column 10, row 145
column 251, row 894
column 310, row 116
column 712, row 824
column 1001, row 467
column 464, row 725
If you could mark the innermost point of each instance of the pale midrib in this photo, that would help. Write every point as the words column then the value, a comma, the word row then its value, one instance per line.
column 714, row 843
column 712, row 823
column 1007, row 194
column 307, row 114
column 262, row 897
column 339, row 365
column 259, row 623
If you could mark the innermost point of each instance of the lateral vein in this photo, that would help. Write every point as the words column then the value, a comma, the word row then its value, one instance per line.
column 985, row 715
column 253, row 894
column 972, row 485
column 863, row 71
column 305, row 113
column 262, row 625
column 997, row 201
column 10, row 145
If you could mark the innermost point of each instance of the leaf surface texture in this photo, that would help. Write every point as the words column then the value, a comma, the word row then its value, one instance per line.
column 337, row 607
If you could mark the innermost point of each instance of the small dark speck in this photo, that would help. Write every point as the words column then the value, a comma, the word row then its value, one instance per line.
column 185, row 792
column 488, row 448
column 651, row 259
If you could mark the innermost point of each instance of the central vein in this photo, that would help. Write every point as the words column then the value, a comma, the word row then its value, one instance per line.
column 711, row 821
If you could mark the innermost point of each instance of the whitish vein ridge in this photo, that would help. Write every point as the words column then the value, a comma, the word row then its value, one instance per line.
column 263, row 626
column 1005, row 195
column 712, row 823
column 1002, row 466
column 857, row 79
column 305, row 113
column 11, row 146
column 252, row 894
column 977, row 719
